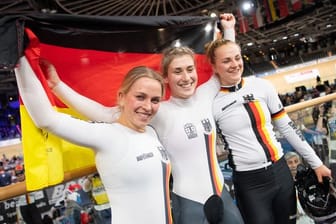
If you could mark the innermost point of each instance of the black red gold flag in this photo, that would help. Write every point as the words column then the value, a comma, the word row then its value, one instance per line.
column 91, row 54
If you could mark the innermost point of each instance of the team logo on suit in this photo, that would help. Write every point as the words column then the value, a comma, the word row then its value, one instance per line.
column 190, row 130
column 206, row 125
column 248, row 98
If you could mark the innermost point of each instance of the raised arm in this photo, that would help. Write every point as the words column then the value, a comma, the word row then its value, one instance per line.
column 211, row 87
column 228, row 23
column 85, row 106
column 34, row 96
column 43, row 114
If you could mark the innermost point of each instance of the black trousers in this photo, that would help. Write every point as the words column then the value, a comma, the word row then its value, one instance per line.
column 31, row 214
column 266, row 195
column 186, row 211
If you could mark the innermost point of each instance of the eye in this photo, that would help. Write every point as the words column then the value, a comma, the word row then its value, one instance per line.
column 177, row 71
column 190, row 69
column 156, row 100
column 140, row 97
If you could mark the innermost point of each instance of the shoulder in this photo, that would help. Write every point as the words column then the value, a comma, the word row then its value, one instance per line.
column 258, row 80
column 260, row 83
column 264, row 82
column 152, row 131
column 165, row 108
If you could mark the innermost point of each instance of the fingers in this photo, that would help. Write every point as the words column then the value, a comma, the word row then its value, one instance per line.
column 319, row 178
column 50, row 73
column 321, row 172
column 227, row 16
column 227, row 20
column 47, row 66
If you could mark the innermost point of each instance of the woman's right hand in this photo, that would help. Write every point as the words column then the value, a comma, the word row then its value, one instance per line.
column 227, row 20
column 50, row 73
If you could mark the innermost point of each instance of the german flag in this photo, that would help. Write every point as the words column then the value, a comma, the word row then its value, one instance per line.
column 91, row 54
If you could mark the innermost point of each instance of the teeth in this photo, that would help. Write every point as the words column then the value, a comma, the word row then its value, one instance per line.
column 186, row 85
column 146, row 116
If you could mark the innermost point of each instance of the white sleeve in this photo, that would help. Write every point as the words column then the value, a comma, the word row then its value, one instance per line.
column 43, row 114
column 272, row 98
column 287, row 127
column 89, row 108
column 295, row 137
column 210, row 88
column 229, row 34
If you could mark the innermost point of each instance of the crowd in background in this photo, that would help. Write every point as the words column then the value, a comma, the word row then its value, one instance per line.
column 302, row 93
column 69, row 203
column 11, row 170
column 316, row 133
column 9, row 117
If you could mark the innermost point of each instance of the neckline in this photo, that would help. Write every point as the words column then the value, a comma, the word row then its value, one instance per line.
column 233, row 88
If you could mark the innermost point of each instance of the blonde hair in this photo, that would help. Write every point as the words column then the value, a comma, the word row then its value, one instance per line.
column 171, row 53
column 211, row 47
column 140, row 72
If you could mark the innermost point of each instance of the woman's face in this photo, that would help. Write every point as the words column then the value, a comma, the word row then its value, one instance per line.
column 228, row 64
column 182, row 77
column 140, row 104
column 292, row 163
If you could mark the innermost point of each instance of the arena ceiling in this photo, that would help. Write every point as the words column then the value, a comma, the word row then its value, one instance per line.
column 310, row 30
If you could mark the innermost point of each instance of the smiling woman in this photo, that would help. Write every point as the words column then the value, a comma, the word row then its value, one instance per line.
column 129, row 181
column 139, row 98
column 255, row 152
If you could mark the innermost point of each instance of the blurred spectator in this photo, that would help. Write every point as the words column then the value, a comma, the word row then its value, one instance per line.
column 332, row 131
column 102, row 210
column 12, row 169
column 5, row 176
column 293, row 160
column 57, row 215
column 19, row 172
column 320, row 140
column 72, row 204
column 319, row 85
column 47, row 219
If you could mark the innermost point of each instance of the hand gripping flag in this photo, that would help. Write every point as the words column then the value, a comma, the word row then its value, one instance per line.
column 91, row 54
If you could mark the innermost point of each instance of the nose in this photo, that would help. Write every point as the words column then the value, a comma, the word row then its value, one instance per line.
column 147, row 105
column 185, row 75
column 234, row 63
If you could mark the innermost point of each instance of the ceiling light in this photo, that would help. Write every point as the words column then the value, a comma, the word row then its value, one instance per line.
column 247, row 5
column 208, row 27
column 177, row 43
column 213, row 15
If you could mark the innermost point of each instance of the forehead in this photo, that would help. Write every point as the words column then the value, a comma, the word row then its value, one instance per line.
column 293, row 158
column 227, row 50
column 182, row 61
column 146, row 84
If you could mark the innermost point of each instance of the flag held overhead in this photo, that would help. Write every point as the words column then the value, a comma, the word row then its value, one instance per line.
column 91, row 54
